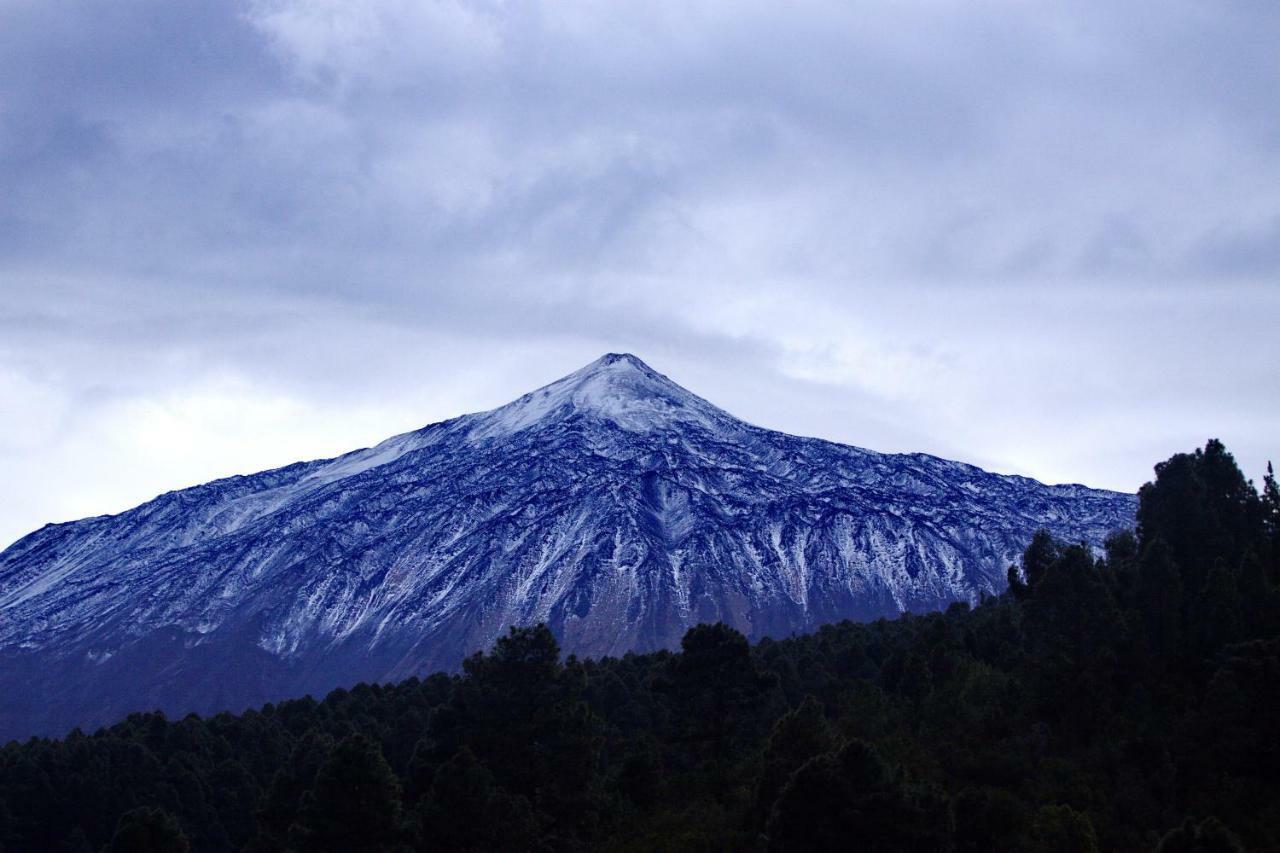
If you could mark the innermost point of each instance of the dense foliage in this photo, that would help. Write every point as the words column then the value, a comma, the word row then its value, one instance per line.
column 1122, row 702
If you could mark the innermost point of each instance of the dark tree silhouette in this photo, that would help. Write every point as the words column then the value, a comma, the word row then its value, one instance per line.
column 798, row 736
column 355, row 805
column 1207, row 836
column 147, row 830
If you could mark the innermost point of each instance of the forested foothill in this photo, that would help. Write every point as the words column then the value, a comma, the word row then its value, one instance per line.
column 1122, row 701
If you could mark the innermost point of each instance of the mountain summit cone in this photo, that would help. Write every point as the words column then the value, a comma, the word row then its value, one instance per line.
column 617, row 387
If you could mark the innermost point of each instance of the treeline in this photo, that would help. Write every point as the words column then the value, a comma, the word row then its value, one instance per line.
column 1126, row 702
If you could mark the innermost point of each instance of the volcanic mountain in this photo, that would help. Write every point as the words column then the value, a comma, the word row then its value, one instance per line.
column 612, row 504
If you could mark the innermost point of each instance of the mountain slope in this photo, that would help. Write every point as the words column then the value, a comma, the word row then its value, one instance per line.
column 613, row 504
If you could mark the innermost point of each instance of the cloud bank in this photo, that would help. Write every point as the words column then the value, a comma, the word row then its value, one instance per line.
column 1044, row 238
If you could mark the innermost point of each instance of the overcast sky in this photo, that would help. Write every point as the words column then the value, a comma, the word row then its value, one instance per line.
column 1040, row 237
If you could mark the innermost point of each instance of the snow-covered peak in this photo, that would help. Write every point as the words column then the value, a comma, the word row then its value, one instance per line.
column 616, row 387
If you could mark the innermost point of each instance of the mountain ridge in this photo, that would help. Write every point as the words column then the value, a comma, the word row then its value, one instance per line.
column 613, row 504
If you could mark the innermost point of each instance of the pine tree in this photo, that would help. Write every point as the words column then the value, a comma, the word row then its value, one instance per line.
column 1074, row 630
column 147, row 830
column 355, row 805
column 989, row 819
column 1017, row 586
column 75, row 842
column 282, row 801
column 798, row 736
column 719, row 694
column 1207, row 836
column 853, row 795
column 1062, row 829
column 1220, row 622
column 1204, row 508
column 1159, row 599
column 916, row 683
column 1271, row 520
column 521, row 712
column 1121, row 562
column 1258, row 606
column 467, row 811
column 1039, row 556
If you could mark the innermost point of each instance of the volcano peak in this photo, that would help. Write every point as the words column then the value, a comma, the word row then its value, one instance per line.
column 617, row 388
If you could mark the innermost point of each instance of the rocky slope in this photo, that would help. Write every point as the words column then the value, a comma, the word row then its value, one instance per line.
column 613, row 504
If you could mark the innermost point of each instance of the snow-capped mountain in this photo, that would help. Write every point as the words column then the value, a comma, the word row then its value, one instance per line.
column 613, row 504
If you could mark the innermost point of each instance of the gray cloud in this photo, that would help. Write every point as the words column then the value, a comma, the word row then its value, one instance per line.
column 1039, row 238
